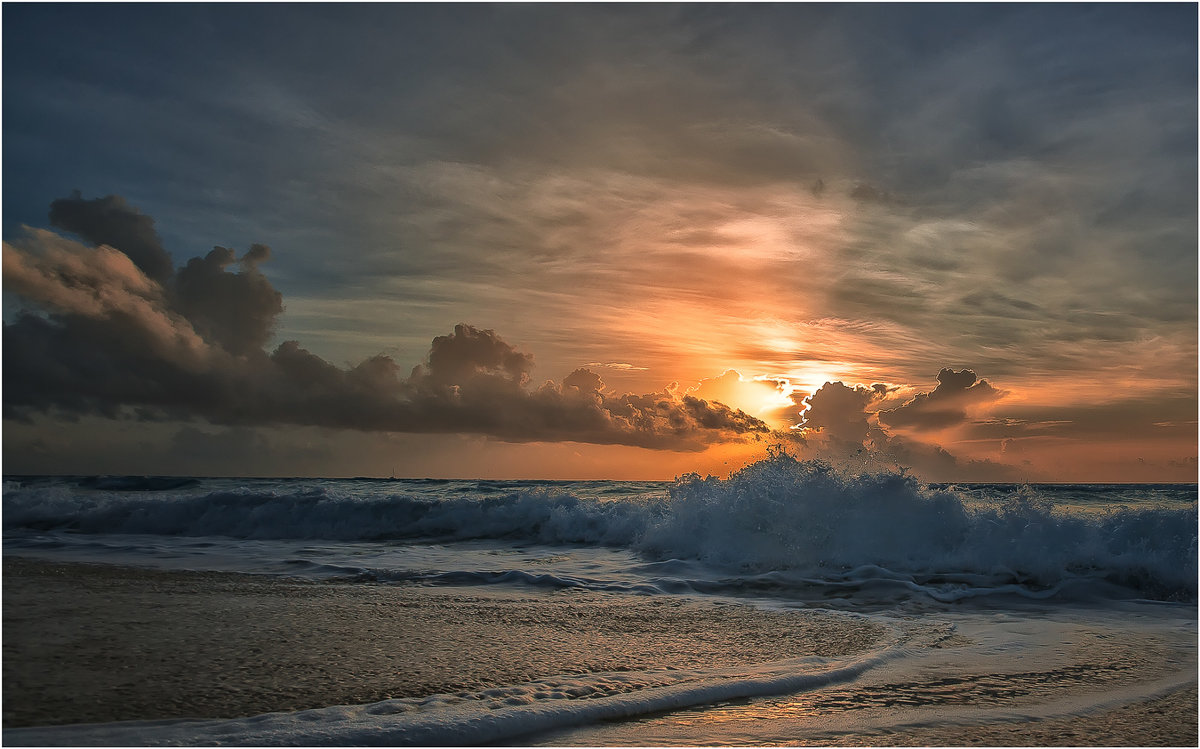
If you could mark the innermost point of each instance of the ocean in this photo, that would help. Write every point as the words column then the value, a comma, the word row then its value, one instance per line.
column 791, row 603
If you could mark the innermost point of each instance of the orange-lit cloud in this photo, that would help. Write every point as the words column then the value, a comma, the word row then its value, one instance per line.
column 945, row 406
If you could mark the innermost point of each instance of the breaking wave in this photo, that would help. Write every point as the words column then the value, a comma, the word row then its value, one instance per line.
column 803, row 520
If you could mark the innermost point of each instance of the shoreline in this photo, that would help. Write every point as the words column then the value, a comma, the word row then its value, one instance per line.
column 1166, row 720
column 98, row 643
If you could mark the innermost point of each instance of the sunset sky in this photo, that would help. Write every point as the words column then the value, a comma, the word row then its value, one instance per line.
column 600, row 241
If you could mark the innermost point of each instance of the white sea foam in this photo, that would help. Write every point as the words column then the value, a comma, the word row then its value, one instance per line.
column 997, row 667
column 783, row 514
column 489, row 716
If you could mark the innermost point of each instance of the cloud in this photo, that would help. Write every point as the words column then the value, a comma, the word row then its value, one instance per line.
column 473, row 381
column 770, row 398
column 235, row 310
column 111, row 221
column 104, row 298
column 945, row 406
column 936, row 463
column 866, row 193
column 585, row 381
column 98, row 335
column 472, row 355
column 1079, row 185
column 623, row 366
column 129, row 273
column 839, row 412
column 1136, row 414
column 839, row 426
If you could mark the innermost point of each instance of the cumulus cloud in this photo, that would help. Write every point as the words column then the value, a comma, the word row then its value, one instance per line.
column 100, row 291
column 839, row 412
column 111, row 221
column 584, row 380
column 235, row 310
column 472, row 355
column 945, row 406
column 840, row 424
column 99, row 334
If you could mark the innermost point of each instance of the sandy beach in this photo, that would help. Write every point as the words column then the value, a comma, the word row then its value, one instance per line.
column 98, row 643
column 1166, row 721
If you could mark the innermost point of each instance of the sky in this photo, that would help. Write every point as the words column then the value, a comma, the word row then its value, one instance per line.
column 623, row 241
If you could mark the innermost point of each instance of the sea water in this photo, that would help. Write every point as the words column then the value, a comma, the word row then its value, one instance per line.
column 998, row 602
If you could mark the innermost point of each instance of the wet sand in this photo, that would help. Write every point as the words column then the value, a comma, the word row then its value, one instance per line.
column 1166, row 721
column 100, row 643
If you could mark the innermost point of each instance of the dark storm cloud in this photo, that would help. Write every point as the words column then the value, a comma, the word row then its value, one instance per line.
column 473, row 381
column 235, row 310
column 470, row 354
column 945, row 406
column 98, row 336
column 112, row 221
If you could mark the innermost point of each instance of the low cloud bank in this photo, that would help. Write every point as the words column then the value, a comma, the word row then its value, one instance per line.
column 109, row 327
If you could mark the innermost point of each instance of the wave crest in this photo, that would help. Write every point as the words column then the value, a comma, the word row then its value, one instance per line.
column 785, row 514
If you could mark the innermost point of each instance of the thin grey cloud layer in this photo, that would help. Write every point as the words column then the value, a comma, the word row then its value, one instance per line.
column 683, row 189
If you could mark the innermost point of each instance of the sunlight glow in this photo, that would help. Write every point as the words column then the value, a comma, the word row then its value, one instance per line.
column 779, row 396
column 809, row 377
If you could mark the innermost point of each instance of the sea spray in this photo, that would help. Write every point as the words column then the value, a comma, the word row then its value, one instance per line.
column 808, row 517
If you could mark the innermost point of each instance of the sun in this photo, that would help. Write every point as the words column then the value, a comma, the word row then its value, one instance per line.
column 779, row 396
column 809, row 377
